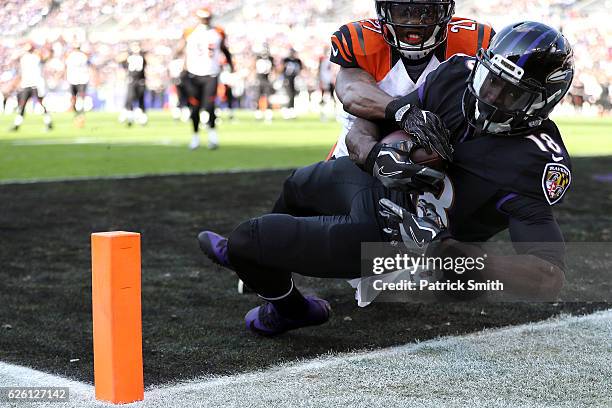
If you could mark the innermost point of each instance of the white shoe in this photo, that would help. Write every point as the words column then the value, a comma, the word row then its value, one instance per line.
column 195, row 142
column 269, row 116
column 213, row 139
column 18, row 121
column 142, row 119
column 128, row 118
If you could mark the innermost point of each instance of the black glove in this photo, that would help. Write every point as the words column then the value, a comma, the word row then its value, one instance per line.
column 391, row 164
column 403, row 226
column 425, row 126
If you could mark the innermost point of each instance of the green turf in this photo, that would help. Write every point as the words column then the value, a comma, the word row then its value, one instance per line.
column 106, row 148
column 587, row 136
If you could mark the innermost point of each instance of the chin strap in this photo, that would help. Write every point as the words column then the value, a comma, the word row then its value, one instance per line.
column 416, row 55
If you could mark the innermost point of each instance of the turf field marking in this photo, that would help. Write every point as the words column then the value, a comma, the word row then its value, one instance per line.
column 515, row 366
column 93, row 141
column 140, row 176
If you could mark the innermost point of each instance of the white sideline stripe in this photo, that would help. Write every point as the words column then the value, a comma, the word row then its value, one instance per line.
column 140, row 176
column 561, row 362
column 18, row 376
column 92, row 142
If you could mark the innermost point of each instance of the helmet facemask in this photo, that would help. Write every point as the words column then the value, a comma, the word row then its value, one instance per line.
column 498, row 99
column 416, row 27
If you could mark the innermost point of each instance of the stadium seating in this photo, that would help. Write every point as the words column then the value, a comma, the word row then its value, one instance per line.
column 302, row 24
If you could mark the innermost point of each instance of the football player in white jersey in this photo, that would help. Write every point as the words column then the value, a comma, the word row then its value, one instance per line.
column 204, row 46
column 77, row 75
column 32, row 83
column 327, row 82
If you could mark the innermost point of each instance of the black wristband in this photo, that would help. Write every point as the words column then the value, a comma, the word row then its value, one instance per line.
column 369, row 164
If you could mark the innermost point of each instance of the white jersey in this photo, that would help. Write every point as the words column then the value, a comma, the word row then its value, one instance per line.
column 396, row 83
column 77, row 68
column 203, row 51
column 31, row 71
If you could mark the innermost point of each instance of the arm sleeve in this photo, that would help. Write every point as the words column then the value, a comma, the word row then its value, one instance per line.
column 227, row 54
column 533, row 228
column 342, row 49
column 429, row 93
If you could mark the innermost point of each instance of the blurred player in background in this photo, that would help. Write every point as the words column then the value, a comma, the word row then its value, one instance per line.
column 327, row 84
column 156, row 81
column 204, row 46
column 292, row 67
column 135, row 63
column 604, row 102
column 9, row 82
column 178, row 77
column 227, row 82
column 392, row 54
column 264, row 68
column 77, row 75
column 32, row 83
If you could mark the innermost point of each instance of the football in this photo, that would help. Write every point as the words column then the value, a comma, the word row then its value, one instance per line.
column 419, row 155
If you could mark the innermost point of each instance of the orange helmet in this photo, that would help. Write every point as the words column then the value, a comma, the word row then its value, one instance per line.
column 204, row 12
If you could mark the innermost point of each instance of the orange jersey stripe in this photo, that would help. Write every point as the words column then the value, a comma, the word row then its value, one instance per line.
column 339, row 45
column 466, row 36
column 373, row 54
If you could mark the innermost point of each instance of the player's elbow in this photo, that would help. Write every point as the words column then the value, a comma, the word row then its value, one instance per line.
column 551, row 281
column 556, row 281
column 348, row 96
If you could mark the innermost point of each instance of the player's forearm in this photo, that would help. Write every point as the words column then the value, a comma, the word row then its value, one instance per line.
column 180, row 48
column 360, row 95
column 526, row 276
column 360, row 140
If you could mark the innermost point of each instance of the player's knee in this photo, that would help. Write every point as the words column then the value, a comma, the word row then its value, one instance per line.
column 306, row 178
column 289, row 188
column 194, row 102
column 263, row 238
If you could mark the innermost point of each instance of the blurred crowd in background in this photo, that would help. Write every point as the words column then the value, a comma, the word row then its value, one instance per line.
column 104, row 30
